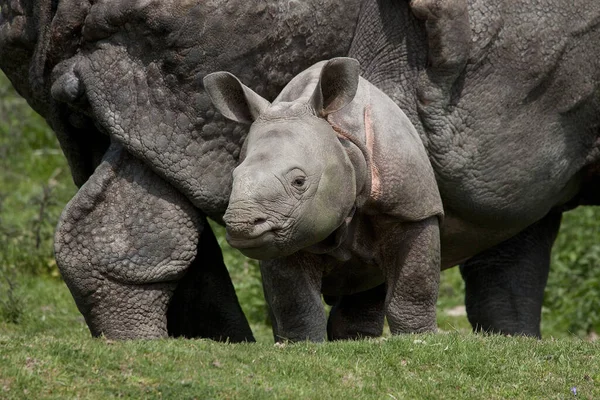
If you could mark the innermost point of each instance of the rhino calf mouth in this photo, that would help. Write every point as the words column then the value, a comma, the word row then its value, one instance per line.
column 260, row 240
column 260, row 244
column 245, row 229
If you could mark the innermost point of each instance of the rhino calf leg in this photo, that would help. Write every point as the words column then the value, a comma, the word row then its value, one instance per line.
column 412, row 270
column 292, row 287
column 357, row 315
column 505, row 284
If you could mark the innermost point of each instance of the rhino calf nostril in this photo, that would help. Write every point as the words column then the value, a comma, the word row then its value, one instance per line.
column 258, row 221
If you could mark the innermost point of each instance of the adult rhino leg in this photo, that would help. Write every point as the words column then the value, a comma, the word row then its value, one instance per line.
column 505, row 284
column 122, row 244
column 357, row 315
column 204, row 303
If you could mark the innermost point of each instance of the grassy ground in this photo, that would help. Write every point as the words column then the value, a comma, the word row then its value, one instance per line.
column 50, row 354
column 46, row 350
column 449, row 366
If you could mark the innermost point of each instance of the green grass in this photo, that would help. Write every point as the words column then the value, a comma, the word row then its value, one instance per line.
column 50, row 354
column 35, row 185
column 46, row 350
column 449, row 366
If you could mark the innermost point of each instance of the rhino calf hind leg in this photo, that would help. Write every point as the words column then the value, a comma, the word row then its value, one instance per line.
column 357, row 315
column 505, row 284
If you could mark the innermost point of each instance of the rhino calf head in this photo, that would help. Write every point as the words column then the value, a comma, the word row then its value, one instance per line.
column 296, row 184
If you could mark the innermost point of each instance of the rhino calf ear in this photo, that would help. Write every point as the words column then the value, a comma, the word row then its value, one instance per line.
column 232, row 98
column 337, row 85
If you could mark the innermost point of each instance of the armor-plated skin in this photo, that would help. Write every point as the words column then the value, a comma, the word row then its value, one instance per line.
column 129, row 73
column 503, row 94
column 506, row 98
column 336, row 195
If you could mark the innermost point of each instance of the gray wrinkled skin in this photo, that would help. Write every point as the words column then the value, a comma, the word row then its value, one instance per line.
column 506, row 99
column 504, row 96
column 143, row 80
column 127, row 238
column 335, row 169
column 129, row 73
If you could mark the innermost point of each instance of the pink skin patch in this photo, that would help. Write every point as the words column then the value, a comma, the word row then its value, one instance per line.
column 376, row 191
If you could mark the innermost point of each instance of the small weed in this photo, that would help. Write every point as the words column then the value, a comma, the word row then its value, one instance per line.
column 43, row 201
column 12, row 301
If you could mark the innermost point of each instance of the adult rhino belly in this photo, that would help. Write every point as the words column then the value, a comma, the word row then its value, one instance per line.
column 466, row 233
column 521, row 126
column 513, row 181
column 498, row 181
column 523, row 120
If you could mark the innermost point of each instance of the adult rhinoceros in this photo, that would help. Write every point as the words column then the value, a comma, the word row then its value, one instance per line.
column 120, row 82
column 504, row 96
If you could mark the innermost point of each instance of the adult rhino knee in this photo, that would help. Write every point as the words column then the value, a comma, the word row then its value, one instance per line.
column 124, row 244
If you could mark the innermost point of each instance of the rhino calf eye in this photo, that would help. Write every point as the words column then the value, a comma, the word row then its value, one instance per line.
column 299, row 182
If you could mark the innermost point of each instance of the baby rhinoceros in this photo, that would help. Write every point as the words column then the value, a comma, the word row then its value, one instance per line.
column 335, row 194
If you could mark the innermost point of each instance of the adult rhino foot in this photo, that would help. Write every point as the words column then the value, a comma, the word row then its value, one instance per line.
column 122, row 245
column 125, row 311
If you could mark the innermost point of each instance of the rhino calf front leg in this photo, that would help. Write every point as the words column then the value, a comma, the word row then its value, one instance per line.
column 292, row 287
column 412, row 276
